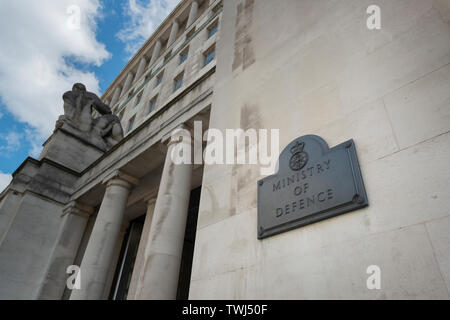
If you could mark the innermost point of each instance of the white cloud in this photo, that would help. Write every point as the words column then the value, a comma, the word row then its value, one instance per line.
column 10, row 142
column 36, row 42
column 5, row 179
column 144, row 18
column 35, row 142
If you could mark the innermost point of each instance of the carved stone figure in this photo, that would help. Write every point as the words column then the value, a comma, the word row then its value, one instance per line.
column 104, row 131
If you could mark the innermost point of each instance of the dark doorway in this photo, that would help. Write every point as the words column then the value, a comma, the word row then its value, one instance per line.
column 128, row 253
column 184, row 280
column 127, row 258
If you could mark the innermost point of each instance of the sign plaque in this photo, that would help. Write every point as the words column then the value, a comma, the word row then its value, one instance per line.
column 313, row 183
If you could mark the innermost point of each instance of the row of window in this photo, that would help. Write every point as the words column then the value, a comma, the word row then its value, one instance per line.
column 212, row 30
column 151, row 108
column 208, row 56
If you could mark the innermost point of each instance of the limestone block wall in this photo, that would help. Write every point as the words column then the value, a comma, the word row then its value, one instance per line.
column 313, row 67
column 26, row 246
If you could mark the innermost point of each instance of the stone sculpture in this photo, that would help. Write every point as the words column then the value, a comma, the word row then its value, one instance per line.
column 103, row 131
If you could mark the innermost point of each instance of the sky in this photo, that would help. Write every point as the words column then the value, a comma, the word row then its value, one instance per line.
column 48, row 45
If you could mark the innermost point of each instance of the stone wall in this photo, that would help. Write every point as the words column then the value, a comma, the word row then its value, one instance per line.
column 313, row 67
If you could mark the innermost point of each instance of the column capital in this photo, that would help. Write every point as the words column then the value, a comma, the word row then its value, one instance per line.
column 79, row 209
column 117, row 177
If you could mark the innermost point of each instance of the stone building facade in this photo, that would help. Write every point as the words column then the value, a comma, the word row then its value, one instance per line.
column 141, row 227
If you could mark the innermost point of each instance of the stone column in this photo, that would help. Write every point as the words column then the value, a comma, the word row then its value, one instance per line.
column 116, row 96
column 141, row 68
column 162, row 258
column 192, row 13
column 128, row 82
column 73, row 226
column 173, row 33
column 115, row 261
column 99, row 254
column 135, row 285
column 156, row 51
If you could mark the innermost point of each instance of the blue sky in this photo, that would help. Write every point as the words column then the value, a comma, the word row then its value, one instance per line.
column 42, row 55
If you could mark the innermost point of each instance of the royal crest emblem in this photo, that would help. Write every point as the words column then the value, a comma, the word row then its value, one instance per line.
column 299, row 158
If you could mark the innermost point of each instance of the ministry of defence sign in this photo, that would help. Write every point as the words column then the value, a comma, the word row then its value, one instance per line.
column 313, row 183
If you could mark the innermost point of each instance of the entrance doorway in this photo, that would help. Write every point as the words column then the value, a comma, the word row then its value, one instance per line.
column 128, row 253
column 184, row 280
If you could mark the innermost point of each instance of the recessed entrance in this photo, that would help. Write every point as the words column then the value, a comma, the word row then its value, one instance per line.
column 128, row 253
column 184, row 279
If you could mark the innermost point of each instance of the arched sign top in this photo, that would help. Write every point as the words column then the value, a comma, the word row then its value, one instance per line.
column 301, row 150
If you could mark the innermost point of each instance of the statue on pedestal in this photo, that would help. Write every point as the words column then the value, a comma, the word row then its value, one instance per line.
column 104, row 131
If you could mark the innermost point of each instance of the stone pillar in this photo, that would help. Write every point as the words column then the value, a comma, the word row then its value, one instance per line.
column 116, row 96
column 156, row 51
column 173, row 33
column 162, row 258
column 115, row 261
column 128, row 82
column 99, row 254
column 141, row 69
column 135, row 285
column 73, row 226
column 192, row 13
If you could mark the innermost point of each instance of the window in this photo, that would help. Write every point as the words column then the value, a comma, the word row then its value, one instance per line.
column 217, row 7
column 209, row 55
column 138, row 99
column 178, row 82
column 159, row 79
column 167, row 56
column 212, row 30
column 131, row 123
column 152, row 105
column 190, row 33
column 130, row 94
column 121, row 114
column 184, row 55
column 148, row 76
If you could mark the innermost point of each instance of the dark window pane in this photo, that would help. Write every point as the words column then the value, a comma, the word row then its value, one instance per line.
column 152, row 105
column 130, row 124
column 213, row 30
column 209, row 56
column 178, row 82
column 183, row 56
column 159, row 79
column 138, row 99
